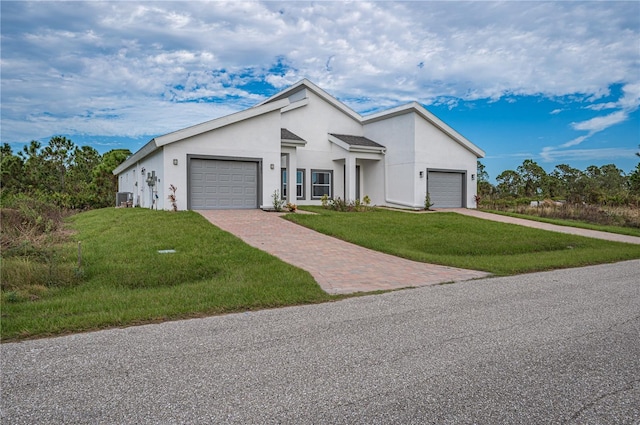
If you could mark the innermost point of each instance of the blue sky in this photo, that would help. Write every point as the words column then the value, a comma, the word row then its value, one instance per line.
column 556, row 82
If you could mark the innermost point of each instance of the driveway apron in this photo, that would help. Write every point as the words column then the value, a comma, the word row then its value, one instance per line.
column 339, row 267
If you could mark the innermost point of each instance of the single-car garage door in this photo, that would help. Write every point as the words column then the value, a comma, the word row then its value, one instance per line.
column 445, row 189
column 221, row 184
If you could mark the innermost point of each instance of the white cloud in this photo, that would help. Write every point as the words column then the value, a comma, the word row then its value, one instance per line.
column 132, row 61
column 600, row 123
column 607, row 154
column 628, row 103
column 602, row 106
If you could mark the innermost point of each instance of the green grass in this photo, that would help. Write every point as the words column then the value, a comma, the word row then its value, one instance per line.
column 455, row 240
column 125, row 281
column 629, row 231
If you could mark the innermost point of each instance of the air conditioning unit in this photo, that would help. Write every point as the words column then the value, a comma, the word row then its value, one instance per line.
column 124, row 199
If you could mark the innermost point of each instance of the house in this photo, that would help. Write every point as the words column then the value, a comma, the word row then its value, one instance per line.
column 304, row 143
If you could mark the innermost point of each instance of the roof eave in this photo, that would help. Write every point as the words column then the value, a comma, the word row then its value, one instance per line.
column 144, row 151
column 356, row 148
column 367, row 149
column 290, row 143
column 220, row 122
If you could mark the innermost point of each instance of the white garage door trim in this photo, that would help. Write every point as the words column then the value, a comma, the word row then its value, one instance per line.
column 237, row 187
column 447, row 188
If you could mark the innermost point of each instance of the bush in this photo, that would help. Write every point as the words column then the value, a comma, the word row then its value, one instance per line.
column 338, row 204
column 31, row 239
column 278, row 202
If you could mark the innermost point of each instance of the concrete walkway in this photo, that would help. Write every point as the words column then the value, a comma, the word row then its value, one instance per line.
column 339, row 267
column 546, row 226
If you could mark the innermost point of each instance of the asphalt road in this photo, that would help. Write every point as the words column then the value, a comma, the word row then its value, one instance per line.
column 556, row 347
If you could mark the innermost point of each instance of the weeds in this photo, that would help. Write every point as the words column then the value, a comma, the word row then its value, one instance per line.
column 623, row 216
column 34, row 255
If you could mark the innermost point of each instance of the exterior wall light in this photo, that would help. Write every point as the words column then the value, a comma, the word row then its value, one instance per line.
column 272, row 166
column 473, row 177
column 175, row 161
column 421, row 174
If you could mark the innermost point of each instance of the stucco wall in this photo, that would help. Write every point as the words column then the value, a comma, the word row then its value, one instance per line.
column 313, row 122
column 134, row 180
column 435, row 149
column 397, row 134
column 256, row 138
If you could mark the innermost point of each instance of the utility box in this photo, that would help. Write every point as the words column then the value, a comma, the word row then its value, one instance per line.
column 124, row 199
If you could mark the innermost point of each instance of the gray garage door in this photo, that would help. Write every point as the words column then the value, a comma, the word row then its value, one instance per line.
column 219, row 184
column 445, row 189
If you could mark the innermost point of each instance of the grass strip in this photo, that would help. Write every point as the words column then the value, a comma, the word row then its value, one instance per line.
column 628, row 231
column 459, row 241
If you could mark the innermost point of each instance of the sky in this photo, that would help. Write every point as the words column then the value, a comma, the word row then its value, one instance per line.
column 554, row 82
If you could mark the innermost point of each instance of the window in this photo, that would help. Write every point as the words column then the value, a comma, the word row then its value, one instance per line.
column 321, row 183
column 299, row 183
column 283, row 180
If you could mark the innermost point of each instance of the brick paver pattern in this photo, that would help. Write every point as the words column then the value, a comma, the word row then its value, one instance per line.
column 339, row 267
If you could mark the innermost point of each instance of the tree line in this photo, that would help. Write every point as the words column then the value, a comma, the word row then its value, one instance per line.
column 75, row 177
column 61, row 173
column 595, row 185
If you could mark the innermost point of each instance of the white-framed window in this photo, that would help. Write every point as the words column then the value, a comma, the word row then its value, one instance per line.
column 283, row 183
column 299, row 183
column 321, row 183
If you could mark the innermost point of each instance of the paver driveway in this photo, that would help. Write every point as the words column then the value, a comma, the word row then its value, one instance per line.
column 339, row 267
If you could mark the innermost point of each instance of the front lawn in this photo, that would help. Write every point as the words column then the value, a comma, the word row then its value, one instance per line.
column 124, row 280
column 455, row 240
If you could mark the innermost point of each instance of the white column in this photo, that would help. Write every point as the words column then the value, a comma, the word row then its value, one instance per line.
column 292, row 167
column 349, row 177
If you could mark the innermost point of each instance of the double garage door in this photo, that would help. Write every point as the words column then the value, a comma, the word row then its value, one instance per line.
column 446, row 189
column 222, row 184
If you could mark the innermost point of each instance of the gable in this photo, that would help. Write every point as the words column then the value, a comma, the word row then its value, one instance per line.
column 426, row 116
column 300, row 91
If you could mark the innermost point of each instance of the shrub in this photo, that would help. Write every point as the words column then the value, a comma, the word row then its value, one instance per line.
column 278, row 202
column 427, row 201
column 31, row 239
column 341, row 205
column 172, row 197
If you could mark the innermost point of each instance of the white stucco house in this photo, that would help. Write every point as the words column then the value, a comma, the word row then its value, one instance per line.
column 305, row 143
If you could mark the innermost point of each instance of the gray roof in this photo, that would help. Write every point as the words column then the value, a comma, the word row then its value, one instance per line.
column 357, row 140
column 289, row 135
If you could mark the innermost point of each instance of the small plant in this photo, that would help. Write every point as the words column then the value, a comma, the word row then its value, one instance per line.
column 292, row 207
column 325, row 201
column 427, row 202
column 172, row 197
column 342, row 205
column 477, row 198
column 278, row 202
